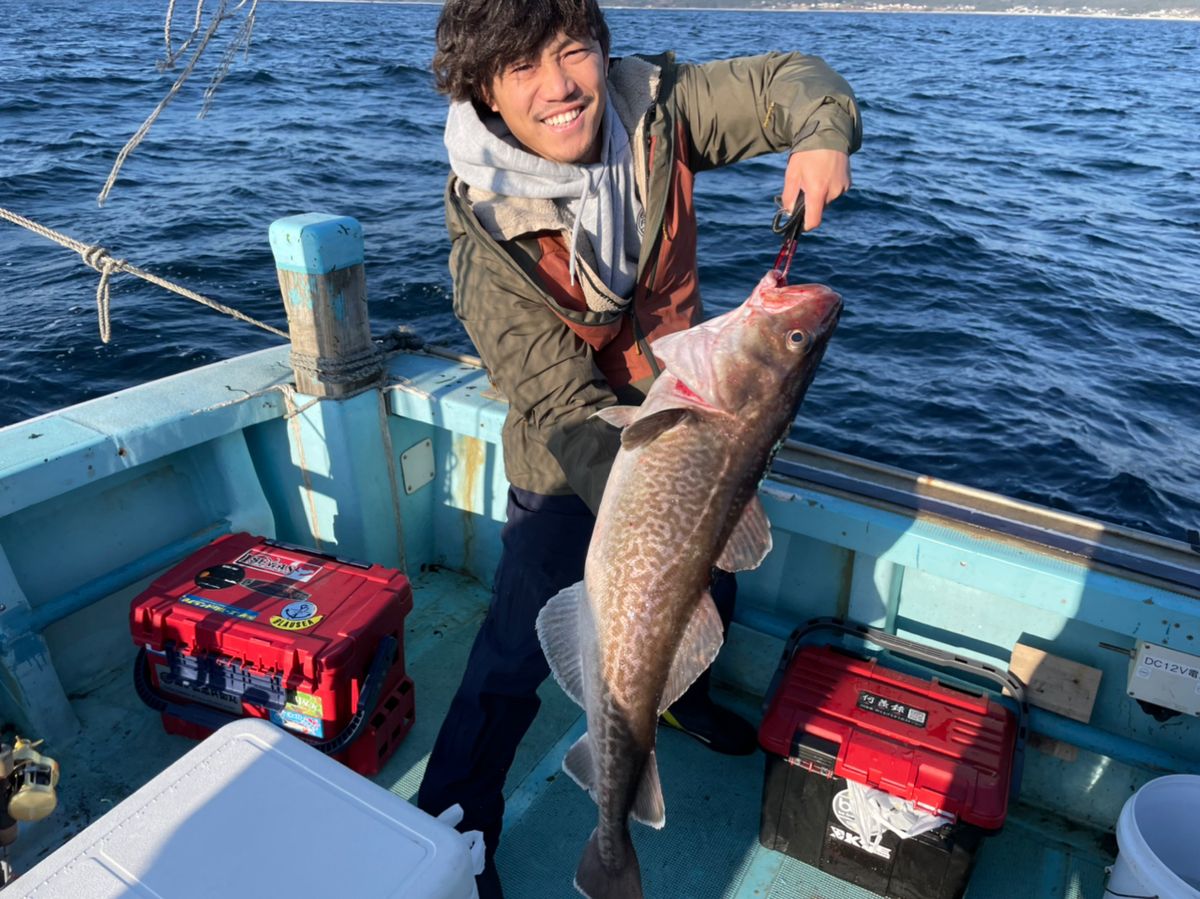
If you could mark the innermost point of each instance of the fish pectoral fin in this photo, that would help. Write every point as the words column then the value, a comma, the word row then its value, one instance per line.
column 699, row 646
column 617, row 416
column 648, row 807
column 750, row 540
column 664, row 409
column 562, row 626
column 580, row 765
column 646, row 428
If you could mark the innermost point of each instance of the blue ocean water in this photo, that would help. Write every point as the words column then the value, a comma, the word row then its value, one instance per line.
column 1020, row 254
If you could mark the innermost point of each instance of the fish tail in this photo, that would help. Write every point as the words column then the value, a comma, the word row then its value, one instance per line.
column 596, row 880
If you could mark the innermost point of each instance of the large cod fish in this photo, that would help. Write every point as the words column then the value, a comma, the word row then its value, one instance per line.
column 629, row 639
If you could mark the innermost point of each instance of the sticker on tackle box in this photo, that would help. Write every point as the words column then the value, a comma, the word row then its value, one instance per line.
column 275, row 562
column 211, row 605
column 305, row 703
column 302, row 713
column 296, row 616
column 299, row 722
column 890, row 708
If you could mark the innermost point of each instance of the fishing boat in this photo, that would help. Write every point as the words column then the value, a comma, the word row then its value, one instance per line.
column 389, row 452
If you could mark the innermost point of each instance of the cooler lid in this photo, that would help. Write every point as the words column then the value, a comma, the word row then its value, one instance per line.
column 946, row 749
column 252, row 811
column 243, row 595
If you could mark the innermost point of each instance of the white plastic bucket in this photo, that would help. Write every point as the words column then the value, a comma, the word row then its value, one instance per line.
column 1158, row 835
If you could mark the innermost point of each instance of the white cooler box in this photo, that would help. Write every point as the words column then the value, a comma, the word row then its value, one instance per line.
column 252, row 811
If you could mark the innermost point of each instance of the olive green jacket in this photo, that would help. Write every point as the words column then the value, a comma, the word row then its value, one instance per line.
column 729, row 110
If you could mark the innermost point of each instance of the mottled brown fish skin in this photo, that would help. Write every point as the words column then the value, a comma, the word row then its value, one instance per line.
column 666, row 541
column 668, row 510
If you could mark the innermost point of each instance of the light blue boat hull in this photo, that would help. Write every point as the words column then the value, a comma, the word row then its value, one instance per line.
column 97, row 499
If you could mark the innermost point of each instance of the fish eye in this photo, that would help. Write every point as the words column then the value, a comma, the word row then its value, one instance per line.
column 797, row 339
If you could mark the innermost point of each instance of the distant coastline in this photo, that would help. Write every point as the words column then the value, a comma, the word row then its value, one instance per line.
column 1082, row 12
column 1165, row 15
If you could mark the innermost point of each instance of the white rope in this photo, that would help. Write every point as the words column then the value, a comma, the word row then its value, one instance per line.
column 240, row 41
column 99, row 259
column 96, row 257
column 289, row 398
column 168, row 60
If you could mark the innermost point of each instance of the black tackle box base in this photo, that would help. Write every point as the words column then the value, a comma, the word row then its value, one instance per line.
column 799, row 819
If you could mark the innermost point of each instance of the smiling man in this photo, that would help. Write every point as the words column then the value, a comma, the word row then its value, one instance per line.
column 573, row 246
column 554, row 101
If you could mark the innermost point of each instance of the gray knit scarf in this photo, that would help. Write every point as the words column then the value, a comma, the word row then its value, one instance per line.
column 600, row 199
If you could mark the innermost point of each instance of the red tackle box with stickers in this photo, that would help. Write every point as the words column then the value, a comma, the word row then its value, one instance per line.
column 946, row 754
column 247, row 627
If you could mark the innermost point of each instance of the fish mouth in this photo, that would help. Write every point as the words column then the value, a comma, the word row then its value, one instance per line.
column 784, row 298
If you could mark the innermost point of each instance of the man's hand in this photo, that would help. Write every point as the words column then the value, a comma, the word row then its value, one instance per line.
column 822, row 175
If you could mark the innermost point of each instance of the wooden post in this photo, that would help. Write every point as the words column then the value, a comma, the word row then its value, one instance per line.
column 319, row 259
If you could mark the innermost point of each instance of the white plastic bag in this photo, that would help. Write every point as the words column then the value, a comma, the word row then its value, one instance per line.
column 870, row 813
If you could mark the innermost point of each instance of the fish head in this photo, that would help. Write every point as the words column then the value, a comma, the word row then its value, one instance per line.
column 765, row 351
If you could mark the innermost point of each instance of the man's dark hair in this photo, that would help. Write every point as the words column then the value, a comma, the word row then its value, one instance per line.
column 479, row 39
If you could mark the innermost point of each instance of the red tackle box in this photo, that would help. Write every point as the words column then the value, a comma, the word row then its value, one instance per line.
column 247, row 627
column 835, row 716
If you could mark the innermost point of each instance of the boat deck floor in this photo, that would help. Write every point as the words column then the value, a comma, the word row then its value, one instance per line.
column 708, row 849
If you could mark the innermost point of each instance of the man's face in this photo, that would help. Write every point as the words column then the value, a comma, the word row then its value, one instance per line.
column 553, row 101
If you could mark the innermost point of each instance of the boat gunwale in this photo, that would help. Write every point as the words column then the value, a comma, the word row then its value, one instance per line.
column 1148, row 558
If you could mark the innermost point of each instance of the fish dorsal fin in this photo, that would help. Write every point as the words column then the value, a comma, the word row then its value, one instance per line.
column 701, row 641
column 648, row 806
column 617, row 416
column 688, row 356
column 561, row 628
column 750, row 540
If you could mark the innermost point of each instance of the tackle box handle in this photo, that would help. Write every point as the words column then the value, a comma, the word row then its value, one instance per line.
column 213, row 719
column 1005, row 679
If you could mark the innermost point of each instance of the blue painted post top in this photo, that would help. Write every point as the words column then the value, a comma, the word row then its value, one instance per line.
column 319, row 261
column 316, row 243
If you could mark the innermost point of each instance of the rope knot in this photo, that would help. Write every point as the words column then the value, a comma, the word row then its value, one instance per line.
column 96, row 257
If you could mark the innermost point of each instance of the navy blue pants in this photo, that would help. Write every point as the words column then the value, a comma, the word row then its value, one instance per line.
column 545, row 543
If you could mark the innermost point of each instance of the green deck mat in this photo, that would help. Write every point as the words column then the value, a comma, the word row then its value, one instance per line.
column 707, row 850
column 709, row 847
